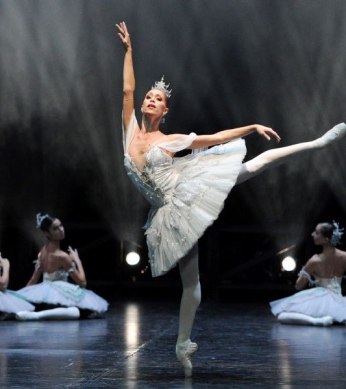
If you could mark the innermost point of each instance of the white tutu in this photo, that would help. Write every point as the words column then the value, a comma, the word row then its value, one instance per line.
column 187, row 193
column 64, row 294
column 204, row 181
column 315, row 302
column 13, row 302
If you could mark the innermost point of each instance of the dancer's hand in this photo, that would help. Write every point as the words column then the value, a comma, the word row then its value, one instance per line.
column 124, row 35
column 74, row 255
column 267, row 132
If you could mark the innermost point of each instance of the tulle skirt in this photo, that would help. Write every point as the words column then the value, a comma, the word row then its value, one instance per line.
column 315, row 302
column 64, row 294
column 13, row 302
column 205, row 180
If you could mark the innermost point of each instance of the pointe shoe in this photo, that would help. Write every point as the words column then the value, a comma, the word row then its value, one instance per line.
column 334, row 133
column 183, row 352
column 324, row 321
column 26, row 315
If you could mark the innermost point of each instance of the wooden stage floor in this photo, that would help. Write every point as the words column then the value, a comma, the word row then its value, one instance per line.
column 240, row 346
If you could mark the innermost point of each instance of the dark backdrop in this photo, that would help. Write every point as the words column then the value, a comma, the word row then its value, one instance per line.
column 230, row 62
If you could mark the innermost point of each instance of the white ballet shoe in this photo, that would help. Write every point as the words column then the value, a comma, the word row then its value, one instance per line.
column 333, row 134
column 183, row 352
column 26, row 315
column 324, row 321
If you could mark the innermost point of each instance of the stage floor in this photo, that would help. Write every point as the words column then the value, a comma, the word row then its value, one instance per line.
column 240, row 346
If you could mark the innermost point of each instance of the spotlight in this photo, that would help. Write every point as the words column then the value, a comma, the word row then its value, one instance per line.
column 288, row 264
column 132, row 258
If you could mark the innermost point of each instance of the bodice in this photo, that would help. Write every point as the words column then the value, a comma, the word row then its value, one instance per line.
column 59, row 275
column 157, row 180
column 333, row 284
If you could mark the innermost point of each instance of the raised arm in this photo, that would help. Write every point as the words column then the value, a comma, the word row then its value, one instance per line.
column 76, row 269
column 4, row 273
column 128, row 74
column 227, row 135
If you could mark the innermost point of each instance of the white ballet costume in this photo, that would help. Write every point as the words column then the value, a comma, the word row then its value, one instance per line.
column 186, row 194
column 12, row 302
column 56, row 290
column 322, row 304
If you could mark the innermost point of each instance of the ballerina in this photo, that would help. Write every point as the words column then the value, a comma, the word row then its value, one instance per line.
column 187, row 194
column 11, row 302
column 67, row 300
column 323, row 304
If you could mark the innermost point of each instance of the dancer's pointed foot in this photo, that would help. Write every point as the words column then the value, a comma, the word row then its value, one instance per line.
column 335, row 133
column 184, row 352
column 26, row 315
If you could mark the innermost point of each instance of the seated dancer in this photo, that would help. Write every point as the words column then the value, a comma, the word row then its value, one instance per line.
column 187, row 193
column 323, row 304
column 10, row 302
column 66, row 300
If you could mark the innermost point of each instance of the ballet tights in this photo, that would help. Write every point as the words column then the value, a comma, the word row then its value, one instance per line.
column 191, row 297
column 300, row 318
column 69, row 313
column 274, row 157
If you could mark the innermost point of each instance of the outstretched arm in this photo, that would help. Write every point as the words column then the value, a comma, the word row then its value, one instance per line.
column 128, row 74
column 227, row 135
column 4, row 273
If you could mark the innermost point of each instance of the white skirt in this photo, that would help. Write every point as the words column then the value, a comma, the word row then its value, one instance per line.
column 13, row 302
column 65, row 294
column 315, row 302
column 205, row 180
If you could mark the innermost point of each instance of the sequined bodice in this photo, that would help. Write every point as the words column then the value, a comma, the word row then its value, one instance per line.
column 158, row 177
column 59, row 275
column 333, row 284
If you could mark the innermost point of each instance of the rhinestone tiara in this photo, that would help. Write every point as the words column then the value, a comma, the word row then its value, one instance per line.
column 163, row 87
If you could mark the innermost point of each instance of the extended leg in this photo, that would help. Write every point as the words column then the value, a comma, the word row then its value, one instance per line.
column 50, row 314
column 190, row 300
column 300, row 318
column 275, row 157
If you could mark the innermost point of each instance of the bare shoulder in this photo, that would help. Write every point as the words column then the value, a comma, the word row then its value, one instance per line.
column 342, row 255
column 312, row 262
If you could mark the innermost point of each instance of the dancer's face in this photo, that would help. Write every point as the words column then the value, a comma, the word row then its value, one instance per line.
column 56, row 231
column 318, row 237
column 155, row 103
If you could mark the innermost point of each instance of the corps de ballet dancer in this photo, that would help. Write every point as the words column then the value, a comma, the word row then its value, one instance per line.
column 323, row 303
column 11, row 302
column 55, row 297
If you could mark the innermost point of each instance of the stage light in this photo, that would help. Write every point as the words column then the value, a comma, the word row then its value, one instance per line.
column 132, row 258
column 288, row 264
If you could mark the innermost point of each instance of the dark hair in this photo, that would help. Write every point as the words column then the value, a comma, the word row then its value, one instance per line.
column 327, row 229
column 43, row 222
column 333, row 232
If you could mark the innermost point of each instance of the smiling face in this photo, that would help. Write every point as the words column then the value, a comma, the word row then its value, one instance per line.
column 155, row 103
column 56, row 231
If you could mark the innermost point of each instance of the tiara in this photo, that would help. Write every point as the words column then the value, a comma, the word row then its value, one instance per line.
column 337, row 234
column 39, row 219
column 163, row 87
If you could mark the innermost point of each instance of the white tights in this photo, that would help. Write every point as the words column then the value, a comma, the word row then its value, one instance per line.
column 188, row 265
column 191, row 297
column 69, row 313
column 300, row 318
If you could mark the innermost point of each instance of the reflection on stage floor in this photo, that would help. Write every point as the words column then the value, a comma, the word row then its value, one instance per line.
column 241, row 345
